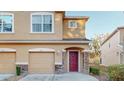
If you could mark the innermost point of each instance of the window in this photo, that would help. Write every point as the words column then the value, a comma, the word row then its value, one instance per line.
column 109, row 45
column 6, row 23
column 72, row 24
column 42, row 23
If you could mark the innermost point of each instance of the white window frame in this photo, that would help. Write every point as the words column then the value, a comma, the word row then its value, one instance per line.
column 2, row 14
column 69, row 24
column 43, row 13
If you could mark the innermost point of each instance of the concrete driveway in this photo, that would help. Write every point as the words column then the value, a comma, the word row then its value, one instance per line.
column 5, row 76
column 59, row 77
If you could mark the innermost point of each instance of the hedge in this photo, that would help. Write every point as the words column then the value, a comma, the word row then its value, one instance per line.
column 94, row 70
column 116, row 72
column 18, row 70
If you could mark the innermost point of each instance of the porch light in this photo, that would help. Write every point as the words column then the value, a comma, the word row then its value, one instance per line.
column 58, row 63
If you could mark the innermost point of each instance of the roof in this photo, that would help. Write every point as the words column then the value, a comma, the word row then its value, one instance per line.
column 78, row 39
column 47, row 41
column 73, row 17
column 76, row 17
column 113, row 33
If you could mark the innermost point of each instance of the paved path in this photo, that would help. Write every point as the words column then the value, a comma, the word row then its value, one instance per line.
column 5, row 76
column 59, row 77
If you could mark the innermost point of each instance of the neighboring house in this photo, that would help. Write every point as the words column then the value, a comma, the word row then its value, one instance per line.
column 42, row 42
column 112, row 49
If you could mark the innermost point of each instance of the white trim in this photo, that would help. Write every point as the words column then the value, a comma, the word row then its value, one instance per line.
column 69, row 22
column 6, row 13
column 78, row 60
column 58, row 63
column 21, row 63
column 42, row 13
column 7, row 50
column 63, row 50
column 42, row 50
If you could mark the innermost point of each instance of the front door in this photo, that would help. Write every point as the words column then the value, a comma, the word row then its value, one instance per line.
column 73, row 61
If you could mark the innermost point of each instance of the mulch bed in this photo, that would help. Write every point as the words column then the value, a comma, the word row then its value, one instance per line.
column 101, row 77
column 103, row 72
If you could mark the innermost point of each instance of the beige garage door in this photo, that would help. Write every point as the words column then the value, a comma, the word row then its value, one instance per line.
column 41, row 63
column 7, row 62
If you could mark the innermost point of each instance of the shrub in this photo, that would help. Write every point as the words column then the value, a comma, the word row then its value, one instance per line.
column 18, row 70
column 103, row 70
column 95, row 70
column 116, row 72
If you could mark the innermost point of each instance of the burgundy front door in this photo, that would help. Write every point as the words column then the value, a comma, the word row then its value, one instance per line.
column 73, row 61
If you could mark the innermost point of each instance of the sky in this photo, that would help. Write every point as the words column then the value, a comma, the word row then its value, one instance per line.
column 100, row 22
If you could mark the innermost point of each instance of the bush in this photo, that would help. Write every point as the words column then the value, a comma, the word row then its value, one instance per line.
column 18, row 70
column 116, row 72
column 95, row 70
column 103, row 70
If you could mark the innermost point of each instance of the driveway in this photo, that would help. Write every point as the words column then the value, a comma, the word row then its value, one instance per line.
column 59, row 77
column 5, row 76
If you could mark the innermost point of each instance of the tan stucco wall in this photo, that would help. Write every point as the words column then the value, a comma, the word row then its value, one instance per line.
column 110, row 54
column 70, row 33
column 22, row 50
column 22, row 28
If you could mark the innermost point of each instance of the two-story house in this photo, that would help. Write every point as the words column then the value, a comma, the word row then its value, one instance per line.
column 112, row 49
column 39, row 42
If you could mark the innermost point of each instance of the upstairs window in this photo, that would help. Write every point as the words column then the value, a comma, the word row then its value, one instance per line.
column 6, row 23
column 42, row 23
column 72, row 24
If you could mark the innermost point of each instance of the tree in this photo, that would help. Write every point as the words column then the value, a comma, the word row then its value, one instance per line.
column 95, row 46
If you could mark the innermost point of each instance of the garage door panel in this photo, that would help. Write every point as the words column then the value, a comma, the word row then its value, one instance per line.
column 41, row 66
column 7, row 56
column 7, row 62
column 41, row 70
column 41, row 63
